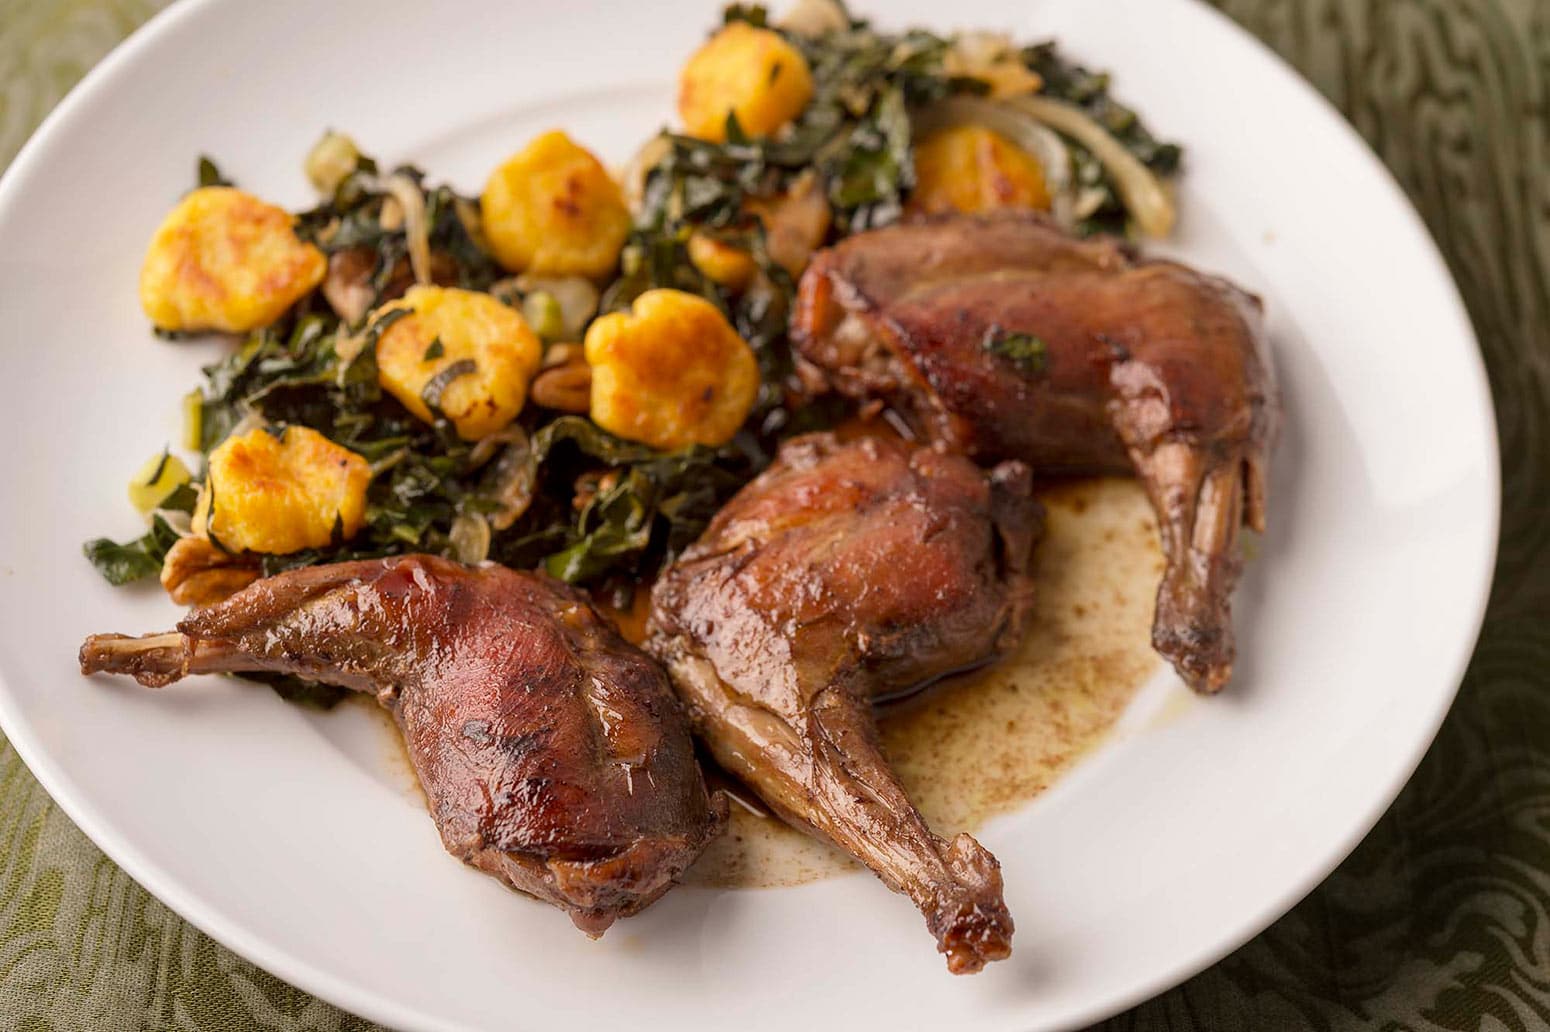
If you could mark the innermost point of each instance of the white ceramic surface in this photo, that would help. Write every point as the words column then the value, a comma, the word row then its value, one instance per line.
column 290, row 837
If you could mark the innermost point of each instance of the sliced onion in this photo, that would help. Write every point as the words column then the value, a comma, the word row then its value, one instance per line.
column 251, row 420
column 417, row 230
column 470, row 538
column 510, row 481
column 473, row 222
column 1144, row 195
column 406, row 194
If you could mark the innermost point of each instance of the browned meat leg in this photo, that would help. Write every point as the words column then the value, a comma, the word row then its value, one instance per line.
column 552, row 753
column 844, row 573
column 1199, row 512
column 1005, row 338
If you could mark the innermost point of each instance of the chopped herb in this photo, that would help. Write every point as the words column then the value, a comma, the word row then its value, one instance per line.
column 161, row 467
column 1025, row 351
column 182, row 499
column 209, row 174
column 220, row 546
column 754, row 14
column 435, row 351
column 436, row 385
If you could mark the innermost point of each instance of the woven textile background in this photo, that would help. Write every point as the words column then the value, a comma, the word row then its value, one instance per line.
column 1440, row 920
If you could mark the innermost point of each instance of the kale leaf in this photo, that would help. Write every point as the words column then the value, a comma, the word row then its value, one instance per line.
column 132, row 560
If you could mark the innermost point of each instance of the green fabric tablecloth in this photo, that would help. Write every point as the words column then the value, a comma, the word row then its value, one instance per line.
column 1439, row 920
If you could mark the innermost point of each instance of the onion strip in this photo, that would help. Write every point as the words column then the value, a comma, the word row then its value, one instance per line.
column 417, row 230
column 470, row 538
column 1143, row 193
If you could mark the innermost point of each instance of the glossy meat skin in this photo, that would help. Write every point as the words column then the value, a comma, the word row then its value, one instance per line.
column 844, row 573
column 553, row 753
column 1149, row 367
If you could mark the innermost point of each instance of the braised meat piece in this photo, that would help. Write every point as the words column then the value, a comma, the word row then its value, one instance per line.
column 1004, row 338
column 845, row 573
column 553, row 753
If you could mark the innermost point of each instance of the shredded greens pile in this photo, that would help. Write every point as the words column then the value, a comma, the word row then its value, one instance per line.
column 554, row 490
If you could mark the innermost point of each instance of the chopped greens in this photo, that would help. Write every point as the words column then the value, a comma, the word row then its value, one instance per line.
column 425, row 476
column 855, row 131
column 312, row 369
column 352, row 222
column 123, row 563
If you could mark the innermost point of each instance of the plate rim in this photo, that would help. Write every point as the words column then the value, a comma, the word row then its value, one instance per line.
column 275, row 958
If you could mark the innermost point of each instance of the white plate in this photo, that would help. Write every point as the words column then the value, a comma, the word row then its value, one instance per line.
column 289, row 837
